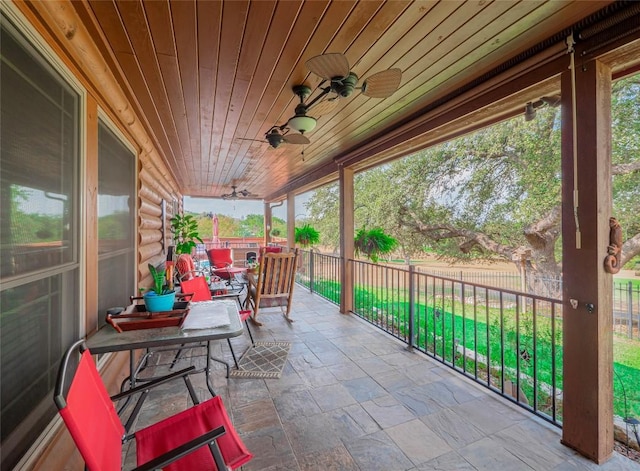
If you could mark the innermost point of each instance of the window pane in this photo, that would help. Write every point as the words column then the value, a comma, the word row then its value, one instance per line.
column 39, row 272
column 116, row 220
column 37, row 169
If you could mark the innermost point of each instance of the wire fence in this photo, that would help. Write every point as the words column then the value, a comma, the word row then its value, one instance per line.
column 321, row 274
column 626, row 294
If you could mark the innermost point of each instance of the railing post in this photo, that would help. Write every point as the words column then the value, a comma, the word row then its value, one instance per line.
column 412, row 308
column 630, row 309
column 311, row 271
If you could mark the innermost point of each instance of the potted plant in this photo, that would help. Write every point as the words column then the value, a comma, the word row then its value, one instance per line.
column 374, row 243
column 306, row 236
column 160, row 298
column 185, row 233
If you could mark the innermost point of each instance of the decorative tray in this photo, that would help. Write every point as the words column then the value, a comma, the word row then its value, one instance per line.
column 136, row 317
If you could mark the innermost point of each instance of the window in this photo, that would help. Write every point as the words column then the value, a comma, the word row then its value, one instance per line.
column 39, row 236
column 116, row 220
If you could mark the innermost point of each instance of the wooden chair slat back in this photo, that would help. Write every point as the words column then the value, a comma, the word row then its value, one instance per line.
column 277, row 271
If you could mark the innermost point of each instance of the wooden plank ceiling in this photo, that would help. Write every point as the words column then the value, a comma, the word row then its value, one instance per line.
column 211, row 76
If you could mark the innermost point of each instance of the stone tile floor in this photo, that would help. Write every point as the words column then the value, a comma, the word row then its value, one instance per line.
column 353, row 398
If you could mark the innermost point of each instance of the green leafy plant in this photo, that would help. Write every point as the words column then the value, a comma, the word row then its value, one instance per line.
column 306, row 236
column 373, row 243
column 275, row 232
column 185, row 233
column 159, row 281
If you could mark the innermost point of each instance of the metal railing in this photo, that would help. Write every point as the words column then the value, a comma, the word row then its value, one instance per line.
column 506, row 340
column 320, row 273
column 626, row 309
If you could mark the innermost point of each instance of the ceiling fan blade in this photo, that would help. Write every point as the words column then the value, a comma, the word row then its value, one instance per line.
column 247, row 139
column 329, row 66
column 382, row 84
column 296, row 138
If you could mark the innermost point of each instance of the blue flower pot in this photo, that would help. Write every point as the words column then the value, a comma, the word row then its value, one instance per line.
column 159, row 302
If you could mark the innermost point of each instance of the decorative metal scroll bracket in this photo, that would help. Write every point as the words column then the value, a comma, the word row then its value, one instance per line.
column 613, row 260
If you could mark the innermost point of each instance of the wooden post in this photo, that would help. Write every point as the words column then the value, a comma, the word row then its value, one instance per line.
column 346, row 238
column 267, row 223
column 587, row 288
column 291, row 220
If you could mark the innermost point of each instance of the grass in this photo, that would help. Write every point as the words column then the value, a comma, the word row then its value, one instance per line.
column 626, row 357
column 635, row 282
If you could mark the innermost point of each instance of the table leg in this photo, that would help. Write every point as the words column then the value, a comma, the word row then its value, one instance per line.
column 132, row 382
column 208, row 368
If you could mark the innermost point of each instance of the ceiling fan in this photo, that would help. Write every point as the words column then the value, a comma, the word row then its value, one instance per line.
column 280, row 134
column 237, row 194
column 334, row 67
column 339, row 80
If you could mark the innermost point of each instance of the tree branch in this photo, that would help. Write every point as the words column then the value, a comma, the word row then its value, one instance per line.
column 623, row 169
column 471, row 238
column 544, row 230
column 630, row 249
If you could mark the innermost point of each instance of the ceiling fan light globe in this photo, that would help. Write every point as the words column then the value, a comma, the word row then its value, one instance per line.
column 302, row 123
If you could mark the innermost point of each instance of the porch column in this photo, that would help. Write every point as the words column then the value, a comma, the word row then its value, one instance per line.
column 346, row 238
column 267, row 223
column 291, row 220
column 587, row 329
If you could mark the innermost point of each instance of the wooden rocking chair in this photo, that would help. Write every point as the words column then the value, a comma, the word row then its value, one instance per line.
column 273, row 285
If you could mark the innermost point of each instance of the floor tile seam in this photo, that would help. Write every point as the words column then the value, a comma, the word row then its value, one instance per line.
column 563, row 452
column 284, row 431
column 389, row 440
column 441, row 433
column 281, row 426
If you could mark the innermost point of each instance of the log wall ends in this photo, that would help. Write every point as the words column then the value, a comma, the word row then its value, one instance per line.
column 155, row 209
column 150, row 209
column 149, row 237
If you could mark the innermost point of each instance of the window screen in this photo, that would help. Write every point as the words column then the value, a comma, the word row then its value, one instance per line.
column 39, row 308
column 116, row 221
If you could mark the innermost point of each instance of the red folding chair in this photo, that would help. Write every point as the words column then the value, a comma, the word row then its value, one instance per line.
column 173, row 444
column 186, row 268
column 221, row 262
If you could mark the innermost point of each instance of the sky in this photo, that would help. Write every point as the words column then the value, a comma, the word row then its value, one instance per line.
column 240, row 208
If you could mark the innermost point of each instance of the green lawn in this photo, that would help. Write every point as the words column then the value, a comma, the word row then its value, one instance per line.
column 626, row 364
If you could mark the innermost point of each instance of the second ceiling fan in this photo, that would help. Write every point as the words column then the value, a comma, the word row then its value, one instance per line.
column 235, row 194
